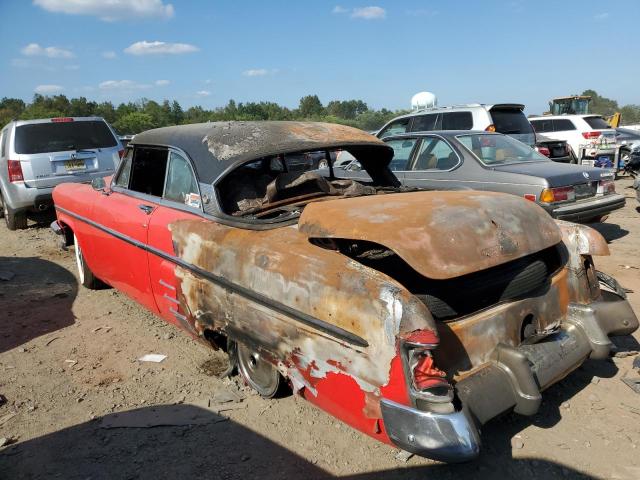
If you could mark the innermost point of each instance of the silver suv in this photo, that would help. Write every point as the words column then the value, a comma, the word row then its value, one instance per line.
column 37, row 155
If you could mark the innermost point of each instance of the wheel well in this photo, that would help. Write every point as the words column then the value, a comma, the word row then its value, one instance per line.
column 68, row 234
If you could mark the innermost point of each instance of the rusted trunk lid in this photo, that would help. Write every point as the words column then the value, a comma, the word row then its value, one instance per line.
column 440, row 234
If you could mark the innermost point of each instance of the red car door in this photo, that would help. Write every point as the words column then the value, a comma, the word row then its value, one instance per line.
column 118, row 249
column 181, row 201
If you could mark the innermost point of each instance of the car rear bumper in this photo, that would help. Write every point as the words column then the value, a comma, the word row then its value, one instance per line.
column 512, row 380
column 589, row 209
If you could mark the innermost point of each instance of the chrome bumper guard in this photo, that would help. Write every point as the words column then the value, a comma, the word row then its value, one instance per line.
column 512, row 380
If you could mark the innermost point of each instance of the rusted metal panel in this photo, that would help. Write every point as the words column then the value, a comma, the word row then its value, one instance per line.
column 282, row 265
column 440, row 234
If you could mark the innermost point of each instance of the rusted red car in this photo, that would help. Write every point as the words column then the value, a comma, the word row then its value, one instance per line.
column 413, row 316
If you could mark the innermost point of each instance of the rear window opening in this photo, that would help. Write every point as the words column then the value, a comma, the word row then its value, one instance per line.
column 63, row 136
column 598, row 123
column 280, row 185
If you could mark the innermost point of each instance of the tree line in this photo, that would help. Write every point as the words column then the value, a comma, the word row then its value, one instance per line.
column 135, row 117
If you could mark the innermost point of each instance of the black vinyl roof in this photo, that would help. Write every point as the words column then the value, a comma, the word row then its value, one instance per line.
column 216, row 147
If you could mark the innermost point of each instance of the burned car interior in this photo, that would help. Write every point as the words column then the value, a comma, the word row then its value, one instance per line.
column 277, row 187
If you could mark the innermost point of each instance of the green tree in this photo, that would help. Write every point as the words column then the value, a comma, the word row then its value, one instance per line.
column 310, row 106
column 601, row 105
column 10, row 108
column 134, row 122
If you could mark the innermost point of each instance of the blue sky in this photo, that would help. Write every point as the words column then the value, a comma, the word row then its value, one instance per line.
column 206, row 52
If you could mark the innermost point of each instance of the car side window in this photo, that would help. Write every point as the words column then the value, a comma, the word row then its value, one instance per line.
column 542, row 126
column 457, row 121
column 562, row 125
column 397, row 127
column 435, row 154
column 122, row 180
column 425, row 123
column 148, row 170
column 181, row 185
column 402, row 149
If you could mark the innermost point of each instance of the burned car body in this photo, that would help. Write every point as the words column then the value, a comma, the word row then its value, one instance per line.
column 412, row 316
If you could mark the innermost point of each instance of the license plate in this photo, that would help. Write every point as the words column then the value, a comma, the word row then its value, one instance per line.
column 70, row 165
column 584, row 190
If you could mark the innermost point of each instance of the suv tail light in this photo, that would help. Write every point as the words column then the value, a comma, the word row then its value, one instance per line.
column 606, row 186
column 560, row 194
column 589, row 135
column 490, row 128
column 62, row 119
column 544, row 151
column 121, row 153
column 15, row 171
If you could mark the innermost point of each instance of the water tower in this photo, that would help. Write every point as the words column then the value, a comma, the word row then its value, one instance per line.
column 423, row 100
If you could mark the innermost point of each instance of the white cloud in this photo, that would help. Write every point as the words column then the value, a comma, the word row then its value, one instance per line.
column 339, row 9
column 601, row 16
column 369, row 13
column 203, row 93
column 159, row 48
column 256, row 72
column 110, row 10
column 35, row 50
column 109, row 55
column 162, row 83
column 122, row 85
column 48, row 89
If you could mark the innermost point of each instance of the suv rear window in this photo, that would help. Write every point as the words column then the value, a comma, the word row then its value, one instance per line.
column 596, row 122
column 513, row 122
column 57, row 137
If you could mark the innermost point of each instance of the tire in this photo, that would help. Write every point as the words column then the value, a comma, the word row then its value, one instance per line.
column 86, row 276
column 15, row 219
column 259, row 374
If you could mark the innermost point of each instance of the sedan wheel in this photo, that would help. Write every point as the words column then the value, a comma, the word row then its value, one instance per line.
column 261, row 375
column 86, row 276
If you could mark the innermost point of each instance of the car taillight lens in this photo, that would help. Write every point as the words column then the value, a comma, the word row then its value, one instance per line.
column 15, row 171
column 590, row 135
column 607, row 186
column 490, row 128
column 121, row 153
column 560, row 194
column 544, row 151
column 62, row 119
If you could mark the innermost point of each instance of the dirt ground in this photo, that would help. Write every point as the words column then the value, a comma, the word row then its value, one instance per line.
column 79, row 405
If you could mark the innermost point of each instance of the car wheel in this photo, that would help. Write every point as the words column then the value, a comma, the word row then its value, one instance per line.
column 259, row 374
column 86, row 276
column 15, row 219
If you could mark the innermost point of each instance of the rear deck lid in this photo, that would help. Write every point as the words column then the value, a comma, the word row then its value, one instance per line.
column 557, row 174
column 440, row 234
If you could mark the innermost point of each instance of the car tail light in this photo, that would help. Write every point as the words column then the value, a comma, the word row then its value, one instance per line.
column 121, row 153
column 15, row 171
column 544, row 151
column 428, row 384
column 590, row 135
column 607, row 186
column 490, row 128
column 560, row 194
column 62, row 119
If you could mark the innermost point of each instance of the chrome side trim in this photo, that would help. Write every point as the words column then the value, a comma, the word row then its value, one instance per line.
column 171, row 299
column 256, row 297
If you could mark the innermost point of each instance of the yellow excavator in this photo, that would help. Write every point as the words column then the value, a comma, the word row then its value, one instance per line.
column 578, row 105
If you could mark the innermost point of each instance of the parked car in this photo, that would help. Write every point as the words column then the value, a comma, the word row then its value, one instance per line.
column 507, row 118
column 400, row 313
column 37, row 155
column 556, row 150
column 496, row 162
column 591, row 131
column 629, row 141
